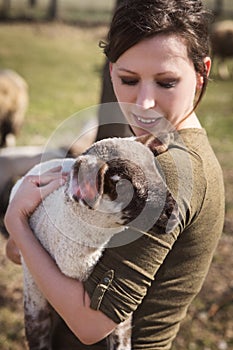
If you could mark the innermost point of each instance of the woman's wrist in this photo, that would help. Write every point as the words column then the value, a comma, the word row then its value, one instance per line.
column 17, row 226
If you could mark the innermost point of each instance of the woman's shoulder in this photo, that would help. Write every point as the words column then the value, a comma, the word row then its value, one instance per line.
column 189, row 151
column 190, row 168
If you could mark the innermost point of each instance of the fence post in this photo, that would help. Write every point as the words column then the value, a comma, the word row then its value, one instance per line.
column 6, row 4
column 52, row 10
column 218, row 7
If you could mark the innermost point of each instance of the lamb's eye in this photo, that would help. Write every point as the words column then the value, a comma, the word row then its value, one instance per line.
column 121, row 186
column 116, row 178
column 125, row 191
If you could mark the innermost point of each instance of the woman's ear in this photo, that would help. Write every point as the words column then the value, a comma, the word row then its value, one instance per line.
column 207, row 63
column 200, row 78
column 110, row 68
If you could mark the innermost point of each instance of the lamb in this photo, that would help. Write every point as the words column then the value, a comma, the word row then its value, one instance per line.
column 115, row 184
column 13, row 105
column 222, row 44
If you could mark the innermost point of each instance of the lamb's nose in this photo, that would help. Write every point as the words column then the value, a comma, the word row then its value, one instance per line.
column 84, row 190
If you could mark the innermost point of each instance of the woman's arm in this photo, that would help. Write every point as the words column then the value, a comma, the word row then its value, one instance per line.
column 65, row 294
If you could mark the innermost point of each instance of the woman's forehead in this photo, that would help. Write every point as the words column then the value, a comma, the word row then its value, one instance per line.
column 165, row 52
column 160, row 45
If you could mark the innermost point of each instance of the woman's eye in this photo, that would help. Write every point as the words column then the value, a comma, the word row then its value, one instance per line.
column 131, row 82
column 167, row 85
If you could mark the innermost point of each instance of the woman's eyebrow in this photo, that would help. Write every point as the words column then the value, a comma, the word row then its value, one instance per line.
column 165, row 73
column 126, row 70
column 159, row 74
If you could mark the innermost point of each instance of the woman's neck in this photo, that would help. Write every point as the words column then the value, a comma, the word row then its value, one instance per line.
column 191, row 122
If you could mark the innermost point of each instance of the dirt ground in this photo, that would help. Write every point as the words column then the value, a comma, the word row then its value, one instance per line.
column 209, row 323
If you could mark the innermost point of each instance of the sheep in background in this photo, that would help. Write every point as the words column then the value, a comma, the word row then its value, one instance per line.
column 222, row 45
column 114, row 184
column 13, row 105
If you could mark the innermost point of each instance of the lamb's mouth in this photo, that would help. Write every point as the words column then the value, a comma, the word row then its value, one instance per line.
column 85, row 194
column 86, row 183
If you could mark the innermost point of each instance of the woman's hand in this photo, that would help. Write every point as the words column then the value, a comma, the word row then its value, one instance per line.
column 32, row 190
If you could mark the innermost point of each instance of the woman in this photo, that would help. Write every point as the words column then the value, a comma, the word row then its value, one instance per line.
column 159, row 64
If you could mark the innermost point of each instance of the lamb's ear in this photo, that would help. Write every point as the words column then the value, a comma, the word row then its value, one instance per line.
column 155, row 144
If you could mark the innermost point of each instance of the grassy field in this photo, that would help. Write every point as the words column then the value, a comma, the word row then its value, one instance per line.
column 62, row 65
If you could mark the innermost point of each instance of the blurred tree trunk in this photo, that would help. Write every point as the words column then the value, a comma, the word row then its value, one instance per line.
column 52, row 10
column 111, row 120
column 218, row 7
column 32, row 3
column 6, row 4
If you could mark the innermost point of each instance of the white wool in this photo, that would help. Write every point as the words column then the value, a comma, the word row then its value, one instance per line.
column 75, row 243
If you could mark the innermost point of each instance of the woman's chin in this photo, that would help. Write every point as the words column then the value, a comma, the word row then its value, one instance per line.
column 140, row 132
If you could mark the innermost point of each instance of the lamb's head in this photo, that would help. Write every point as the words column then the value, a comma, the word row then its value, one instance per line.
column 112, row 191
column 115, row 179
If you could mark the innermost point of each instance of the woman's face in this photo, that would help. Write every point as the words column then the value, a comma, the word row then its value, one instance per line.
column 155, row 83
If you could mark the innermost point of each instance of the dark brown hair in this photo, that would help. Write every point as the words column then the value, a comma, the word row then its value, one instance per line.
column 135, row 20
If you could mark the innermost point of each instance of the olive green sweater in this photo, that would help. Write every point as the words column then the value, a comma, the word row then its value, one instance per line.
column 157, row 275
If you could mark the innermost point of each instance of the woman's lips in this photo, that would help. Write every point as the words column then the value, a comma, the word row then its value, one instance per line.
column 145, row 122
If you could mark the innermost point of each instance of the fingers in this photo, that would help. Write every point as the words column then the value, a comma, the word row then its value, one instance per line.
column 47, row 182
column 54, row 170
column 47, row 177
column 51, row 186
column 31, row 191
column 57, row 169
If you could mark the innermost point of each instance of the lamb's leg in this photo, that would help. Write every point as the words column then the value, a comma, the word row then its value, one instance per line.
column 120, row 338
column 37, row 315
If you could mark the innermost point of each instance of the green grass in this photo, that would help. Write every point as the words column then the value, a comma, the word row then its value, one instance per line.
column 216, row 116
column 216, row 113
column 62, row 66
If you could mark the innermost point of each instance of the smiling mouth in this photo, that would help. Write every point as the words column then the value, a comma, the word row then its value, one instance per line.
column 146, row 121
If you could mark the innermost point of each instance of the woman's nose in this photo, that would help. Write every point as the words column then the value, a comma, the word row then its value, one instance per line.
column 146, row 96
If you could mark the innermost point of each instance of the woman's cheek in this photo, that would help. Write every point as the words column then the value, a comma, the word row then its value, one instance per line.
column 123, row 94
